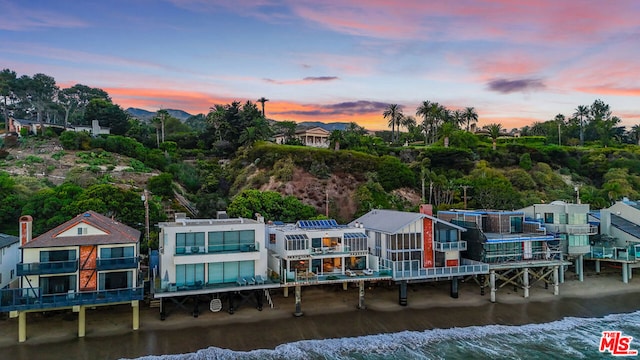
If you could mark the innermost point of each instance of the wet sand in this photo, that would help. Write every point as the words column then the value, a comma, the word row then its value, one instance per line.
column 330, row 312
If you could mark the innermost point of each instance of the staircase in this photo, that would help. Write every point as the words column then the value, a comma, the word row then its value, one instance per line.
column 154, row 303
column 187, row 205
column 268, row 296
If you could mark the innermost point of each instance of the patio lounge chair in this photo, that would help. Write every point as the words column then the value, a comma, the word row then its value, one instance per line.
column 240, row 281
column 250, row 280
column 259, row 279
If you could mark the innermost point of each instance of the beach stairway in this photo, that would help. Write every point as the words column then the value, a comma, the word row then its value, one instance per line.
column 267, row 295
column 154, row 303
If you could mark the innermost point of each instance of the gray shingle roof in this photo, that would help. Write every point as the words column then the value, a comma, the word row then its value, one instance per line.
column 391, row 221
column 6, row 240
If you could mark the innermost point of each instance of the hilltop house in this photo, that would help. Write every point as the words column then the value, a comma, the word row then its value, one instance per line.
column 90, row 260
column 314, row 137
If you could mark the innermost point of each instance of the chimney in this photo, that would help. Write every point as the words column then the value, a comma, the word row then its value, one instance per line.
column 259, row 218
column 26, row 223
column 426, row 209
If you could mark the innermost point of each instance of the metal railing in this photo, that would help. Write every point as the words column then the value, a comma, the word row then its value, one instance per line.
column 323, row 250
column 50, row 267
column 32, row 298
column 413, row 270
column 117, row 263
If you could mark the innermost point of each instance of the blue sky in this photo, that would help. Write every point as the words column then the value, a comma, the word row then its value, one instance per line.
column 515, row 62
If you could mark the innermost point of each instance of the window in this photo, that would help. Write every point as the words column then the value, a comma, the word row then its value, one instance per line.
column 189, row 274
column 548, row 218
column 272, row 238
column 116, row 252
column 229, row 272
column 188, row 243
column 297, row 242
column 57, row 255
column 116, row 280
column 231, row 241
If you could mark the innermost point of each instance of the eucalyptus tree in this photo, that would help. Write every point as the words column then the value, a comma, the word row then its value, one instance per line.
column 470, row 116
column 582, row 113
column 36, row 94
column 7, row 91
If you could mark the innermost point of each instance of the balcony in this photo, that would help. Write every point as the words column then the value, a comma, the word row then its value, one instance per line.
column 583, row 229
column 33, row 299
column 413, row 270
column 217, row 249
column 329, row 250
column 451, row 246
column 47, row 268
column 117, row 263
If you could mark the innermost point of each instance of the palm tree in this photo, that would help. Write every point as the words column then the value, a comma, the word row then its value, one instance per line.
column 424, row 110
column 470, row 116
column 392, row 112
column 447, row 129
column 560, row 119
column 494, row 132
column 263, row 100
column 335, row 138
column 457, row 118
column 582, row 112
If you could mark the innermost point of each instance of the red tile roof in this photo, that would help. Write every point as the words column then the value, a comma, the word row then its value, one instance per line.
column 117, row 233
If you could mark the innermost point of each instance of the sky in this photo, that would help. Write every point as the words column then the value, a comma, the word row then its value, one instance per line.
column 515, row 62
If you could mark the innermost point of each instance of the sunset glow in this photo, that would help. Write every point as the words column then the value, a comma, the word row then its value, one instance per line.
column 515, row 62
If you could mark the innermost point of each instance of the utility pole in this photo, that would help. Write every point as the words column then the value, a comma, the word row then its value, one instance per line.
column 145, row 198
column 327, row 202
column 464, row 191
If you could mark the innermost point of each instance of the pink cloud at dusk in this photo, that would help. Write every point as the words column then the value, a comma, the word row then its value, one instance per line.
column 19, row 18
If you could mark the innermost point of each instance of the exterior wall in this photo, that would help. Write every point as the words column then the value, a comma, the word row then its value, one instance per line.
column 88, row 277
column 73, row 231
column 9, row 258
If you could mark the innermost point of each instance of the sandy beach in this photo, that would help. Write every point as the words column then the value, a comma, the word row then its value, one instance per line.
column 329, row 312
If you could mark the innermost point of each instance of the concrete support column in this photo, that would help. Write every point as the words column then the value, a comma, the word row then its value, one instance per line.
column 630, row 271
column 298, row 292
column 82, row 321
column 345, row 286
column 361, row 305
column 597, row 266
column 481, row 277
column 556, row 288
column 135, row 304
column 286, row 291
column 492, row 283
column 22, row 326
column 402, row 294
column 454, row 287
column 580, row 261
column 525, row 282
column 561, row 274
column 625, row 273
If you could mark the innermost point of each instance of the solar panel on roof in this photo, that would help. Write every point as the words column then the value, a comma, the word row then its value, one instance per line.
column 317, row 224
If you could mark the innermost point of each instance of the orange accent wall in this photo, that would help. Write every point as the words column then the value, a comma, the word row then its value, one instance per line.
column 88, row 274
column 452, row 262
column 428, row 242
column 23, row 233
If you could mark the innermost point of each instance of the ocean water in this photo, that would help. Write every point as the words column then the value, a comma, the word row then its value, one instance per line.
column 570, row 338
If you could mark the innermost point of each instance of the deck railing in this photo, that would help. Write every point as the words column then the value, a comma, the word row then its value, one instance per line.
column 45, row 268
column 450, row 246
column 117, row 263
column 31, row 299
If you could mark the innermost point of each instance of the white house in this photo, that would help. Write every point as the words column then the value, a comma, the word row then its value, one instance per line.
column 9, row 258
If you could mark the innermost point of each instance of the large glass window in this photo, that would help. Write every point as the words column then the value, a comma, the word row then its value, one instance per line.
column 115, row 280
column 57, row 255
column 548, row 218
column 297, row 242
column 232, row 241
column 189, row 243
column 189, row 274
column 116, row 252
column 229, row 272
column 57, row 284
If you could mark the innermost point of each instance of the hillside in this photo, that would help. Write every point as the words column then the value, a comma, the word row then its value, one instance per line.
column 146, row 116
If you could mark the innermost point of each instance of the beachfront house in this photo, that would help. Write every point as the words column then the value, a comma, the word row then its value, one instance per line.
column 211, row 257
column 90, row 260
column 569, row 222
column 9, row 258
column 312, row 252
column 418, row 247
column 618, row 243
column 519, row 251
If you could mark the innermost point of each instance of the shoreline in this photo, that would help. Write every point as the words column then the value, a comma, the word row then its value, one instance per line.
column 329, row 312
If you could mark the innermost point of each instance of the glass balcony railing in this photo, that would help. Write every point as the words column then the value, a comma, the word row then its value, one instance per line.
column 451, row 246
column 324, row 250
column 45, row 268
column 117, row 263
column 30, row 298
column 217, row 249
